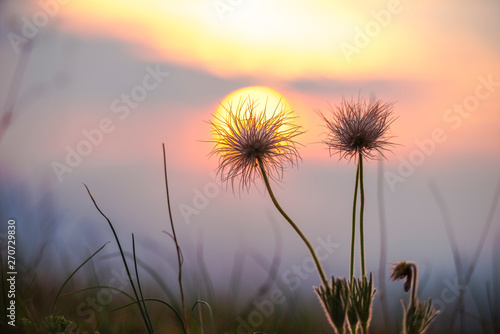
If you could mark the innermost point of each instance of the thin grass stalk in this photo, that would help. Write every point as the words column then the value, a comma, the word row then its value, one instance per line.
column 123, row 258
column 148, row 269
column 139, row 284
column 448, row 227
column 134, row 301
column 295, row 227
column 479, row 248
column 72, row 274
column 454, row 248
column 177, row 248
column 23, row 296
column 271, row 268
column 179, row 317
column 495, row 278
column 25, row 310
column 205, row 275
column 100, row 287
column 353, row 228
column 212, row 322
column 235, row 279
column 383, row 242
column 361, row 215
column 11, row 98
column 200, row 313
column 484, row 234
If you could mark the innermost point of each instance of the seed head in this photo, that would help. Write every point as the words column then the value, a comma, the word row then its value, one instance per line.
column 403, row 270
column 359, row 128
column 246, row 134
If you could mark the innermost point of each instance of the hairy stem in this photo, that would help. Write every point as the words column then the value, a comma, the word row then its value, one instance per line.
column 353, row 234
column 361, row 214
column 295, row 227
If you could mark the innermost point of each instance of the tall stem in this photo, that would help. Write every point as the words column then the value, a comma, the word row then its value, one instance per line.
column 177, row 247
column 361, row 213
column 295, row 227
column 353, row 228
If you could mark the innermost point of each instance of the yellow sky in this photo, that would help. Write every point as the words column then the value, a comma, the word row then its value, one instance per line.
column 436, row 50
column 292, row 39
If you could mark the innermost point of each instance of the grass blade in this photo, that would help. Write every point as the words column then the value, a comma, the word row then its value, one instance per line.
column 209, row 311
column 123, row 258
column 139, row 284
column 179, row 317
column 174, row 236
column 72, row 274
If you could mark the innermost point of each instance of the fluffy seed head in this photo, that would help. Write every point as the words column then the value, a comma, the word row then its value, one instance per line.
column 246, row 134
column 359, row 128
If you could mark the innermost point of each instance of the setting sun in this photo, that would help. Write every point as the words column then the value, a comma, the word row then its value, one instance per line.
column 263, row 98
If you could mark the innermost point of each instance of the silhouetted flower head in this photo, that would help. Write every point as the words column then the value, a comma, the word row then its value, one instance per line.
column 246, row 133
column 403, row 270
column 418, row 315
column 359, row 128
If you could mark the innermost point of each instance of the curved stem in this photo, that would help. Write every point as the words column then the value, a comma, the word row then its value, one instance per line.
column 295, row 227
column 361, row 213
column 353, row 234
column 414, row 283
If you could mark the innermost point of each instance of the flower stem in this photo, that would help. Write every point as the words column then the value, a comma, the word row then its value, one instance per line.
column 361, row 214
column 353, row 236
column 295, row 227
column 414, row 283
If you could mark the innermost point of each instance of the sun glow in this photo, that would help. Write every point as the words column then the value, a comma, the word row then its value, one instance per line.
column 263, row 99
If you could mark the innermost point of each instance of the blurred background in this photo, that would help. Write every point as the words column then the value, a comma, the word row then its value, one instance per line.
column 90, row 90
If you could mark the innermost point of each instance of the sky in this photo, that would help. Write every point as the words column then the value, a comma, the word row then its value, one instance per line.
column 96, row 87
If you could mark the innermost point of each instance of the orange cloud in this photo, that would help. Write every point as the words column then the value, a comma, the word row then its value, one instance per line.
column 294, row 39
